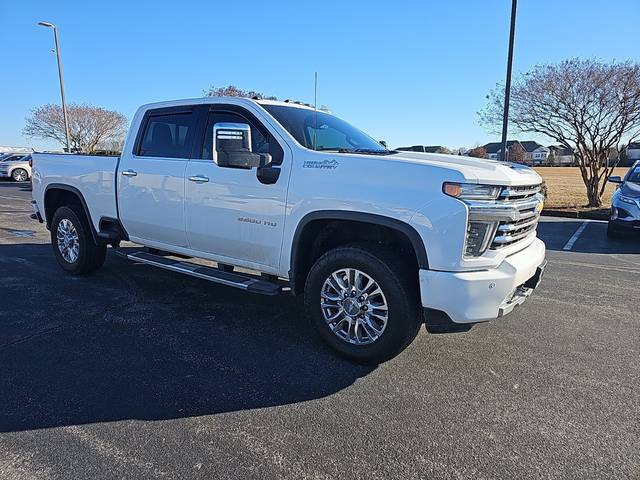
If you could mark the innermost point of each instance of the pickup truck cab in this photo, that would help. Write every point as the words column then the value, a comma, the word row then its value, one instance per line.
column 377, row 242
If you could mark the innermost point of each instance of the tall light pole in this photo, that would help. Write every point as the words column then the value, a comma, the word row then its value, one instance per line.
column 64, row 103
column 507, row 87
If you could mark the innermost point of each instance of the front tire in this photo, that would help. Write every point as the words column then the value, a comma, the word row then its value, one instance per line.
column 73, row 244
column 20, row 175
column 363, row 302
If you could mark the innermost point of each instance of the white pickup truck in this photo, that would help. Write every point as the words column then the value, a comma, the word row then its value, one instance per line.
column 377, row 241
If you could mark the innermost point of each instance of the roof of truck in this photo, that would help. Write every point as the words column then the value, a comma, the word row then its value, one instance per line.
column 196, row 101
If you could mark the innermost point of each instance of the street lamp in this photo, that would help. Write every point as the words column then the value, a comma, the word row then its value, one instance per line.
column 64, row 104
column 507, row 87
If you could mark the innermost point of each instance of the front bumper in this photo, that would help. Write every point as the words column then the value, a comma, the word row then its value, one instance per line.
column 625, row 215
column 471, row 297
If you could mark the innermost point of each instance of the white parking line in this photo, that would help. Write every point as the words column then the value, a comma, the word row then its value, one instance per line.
column 576, row 235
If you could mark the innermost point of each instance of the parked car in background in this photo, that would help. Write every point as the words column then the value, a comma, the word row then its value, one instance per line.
column 16, row 166
column 625, row 203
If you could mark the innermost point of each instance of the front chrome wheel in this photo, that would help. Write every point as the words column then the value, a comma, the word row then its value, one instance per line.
column 354, row 306
column 68, row 240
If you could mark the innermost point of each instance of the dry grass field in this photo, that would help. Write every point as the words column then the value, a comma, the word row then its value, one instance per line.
column 566, row 188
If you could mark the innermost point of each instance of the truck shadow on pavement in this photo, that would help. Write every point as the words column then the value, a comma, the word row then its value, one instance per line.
column 133, row 342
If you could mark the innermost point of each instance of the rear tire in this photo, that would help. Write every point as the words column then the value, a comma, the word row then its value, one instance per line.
column 73, row 244
column 20, row 175
column 378, row 340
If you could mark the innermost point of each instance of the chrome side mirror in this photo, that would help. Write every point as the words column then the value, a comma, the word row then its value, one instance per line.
column 615, row 179
column 232, row 146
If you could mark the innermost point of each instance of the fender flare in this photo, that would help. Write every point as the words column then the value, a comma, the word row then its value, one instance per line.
column 393, row 223
column 77, row 193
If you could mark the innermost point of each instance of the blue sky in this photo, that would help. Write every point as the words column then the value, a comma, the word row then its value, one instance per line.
column 413, row 72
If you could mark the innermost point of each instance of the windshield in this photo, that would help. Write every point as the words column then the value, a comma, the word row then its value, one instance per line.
column 634, row 176
column 321, row 131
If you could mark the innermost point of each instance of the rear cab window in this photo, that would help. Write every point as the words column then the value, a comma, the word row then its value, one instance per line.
column 166, row 134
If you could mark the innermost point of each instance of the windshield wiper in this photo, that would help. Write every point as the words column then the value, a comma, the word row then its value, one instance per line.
column 333, row 149
column 372, row 151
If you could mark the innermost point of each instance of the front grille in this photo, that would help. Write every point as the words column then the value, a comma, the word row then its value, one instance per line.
column 525, row 200
column 518, row 193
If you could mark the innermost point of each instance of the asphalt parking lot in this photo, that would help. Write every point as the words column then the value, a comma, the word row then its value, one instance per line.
column 141, row 373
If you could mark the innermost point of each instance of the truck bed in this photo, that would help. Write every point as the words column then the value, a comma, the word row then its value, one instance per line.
column 93, row 176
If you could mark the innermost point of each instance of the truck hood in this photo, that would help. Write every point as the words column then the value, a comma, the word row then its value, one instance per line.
column 474, row 170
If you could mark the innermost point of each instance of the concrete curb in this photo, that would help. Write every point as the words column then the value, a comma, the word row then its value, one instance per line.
column 586, row 215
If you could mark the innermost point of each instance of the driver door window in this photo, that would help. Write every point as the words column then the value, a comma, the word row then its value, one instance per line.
column 259, row 142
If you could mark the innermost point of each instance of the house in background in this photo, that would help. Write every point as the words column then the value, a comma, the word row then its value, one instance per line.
column 534, row 153
column 493, row 149
column 560, row 156
column 425, row 149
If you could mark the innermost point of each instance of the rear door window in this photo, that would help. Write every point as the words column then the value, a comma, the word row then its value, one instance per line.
column 168, row 135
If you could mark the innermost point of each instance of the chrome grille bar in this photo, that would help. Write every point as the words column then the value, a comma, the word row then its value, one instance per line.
column 526, row 199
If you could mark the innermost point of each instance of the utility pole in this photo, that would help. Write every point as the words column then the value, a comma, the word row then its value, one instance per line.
column 64, row 103
column 507, row 89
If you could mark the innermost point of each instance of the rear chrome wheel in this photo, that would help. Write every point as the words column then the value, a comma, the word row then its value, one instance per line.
column 354, row 306
column 68, row 240
column 73, row 244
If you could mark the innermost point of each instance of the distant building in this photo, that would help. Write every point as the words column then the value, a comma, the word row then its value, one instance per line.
column 425, row 149
column 493, row 149
column 560, row 156
column 535, row 154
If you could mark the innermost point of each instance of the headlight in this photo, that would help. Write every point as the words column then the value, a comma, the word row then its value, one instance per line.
column 630, row 201
column 471, row 191
column 479, row 236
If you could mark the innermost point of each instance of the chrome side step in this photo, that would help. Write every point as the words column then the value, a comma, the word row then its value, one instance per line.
column 237, row 280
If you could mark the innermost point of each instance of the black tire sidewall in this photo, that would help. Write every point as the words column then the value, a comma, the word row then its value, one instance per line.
column 404, row 319
column 85, row 241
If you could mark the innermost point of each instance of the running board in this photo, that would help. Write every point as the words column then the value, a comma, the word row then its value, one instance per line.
column 243, row 282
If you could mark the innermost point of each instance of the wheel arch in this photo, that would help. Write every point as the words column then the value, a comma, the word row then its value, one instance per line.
column 59, row 194
column 316, row 223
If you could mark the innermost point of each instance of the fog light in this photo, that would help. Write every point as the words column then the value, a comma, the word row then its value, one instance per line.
column 479, row 235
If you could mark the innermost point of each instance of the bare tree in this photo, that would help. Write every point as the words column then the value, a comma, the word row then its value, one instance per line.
column 516, row 153
column 587, row 106
column 89, row 126
column 444, row 150
column 478, row 152
column 233, row 91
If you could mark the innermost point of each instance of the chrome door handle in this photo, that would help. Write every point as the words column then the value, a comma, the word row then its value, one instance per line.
column 199, row 179
column 129, row 173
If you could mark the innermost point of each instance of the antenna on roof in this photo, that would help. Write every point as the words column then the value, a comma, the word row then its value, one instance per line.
column 315, row 109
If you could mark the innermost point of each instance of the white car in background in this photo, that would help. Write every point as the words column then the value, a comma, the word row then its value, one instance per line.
column 16, row 166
